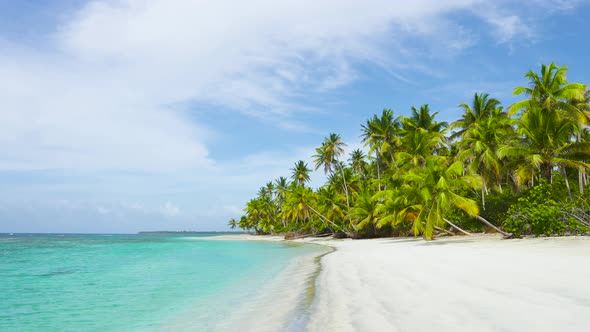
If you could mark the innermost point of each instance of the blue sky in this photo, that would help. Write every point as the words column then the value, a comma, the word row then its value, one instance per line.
column 121, row 115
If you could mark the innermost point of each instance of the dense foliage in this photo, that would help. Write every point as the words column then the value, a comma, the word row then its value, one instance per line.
column 513, row 171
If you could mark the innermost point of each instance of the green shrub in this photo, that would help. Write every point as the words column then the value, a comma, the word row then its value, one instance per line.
column 497, row 205
column 542, row 210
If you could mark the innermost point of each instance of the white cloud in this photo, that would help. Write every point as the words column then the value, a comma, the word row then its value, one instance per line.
column 507, row 27
column 106, row 95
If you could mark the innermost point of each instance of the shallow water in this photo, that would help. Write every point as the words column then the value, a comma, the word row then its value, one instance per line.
column 135, row 282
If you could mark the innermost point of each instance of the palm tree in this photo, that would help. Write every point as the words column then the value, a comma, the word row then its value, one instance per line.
column 232, row 223
column 269, row 189
column 550, row 91
column 358, row 162
column 300, row 173
column 545, row 142
column 418, row 146
column 280, row 186
column 245, row 223
column 581, row 131
column 255, row 213
column 381, row 134
column 482, row 107
column 364, row 211
column 422, row 137
column 483, row 128
column 331, row 204
column 429, row 192
column 422, row 119
column 299, row 206
column 327, row 156
column 553, row 101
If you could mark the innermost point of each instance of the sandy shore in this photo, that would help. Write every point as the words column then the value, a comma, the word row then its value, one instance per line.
column 453, row 284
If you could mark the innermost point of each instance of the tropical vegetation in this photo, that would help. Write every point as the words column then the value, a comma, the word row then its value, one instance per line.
column 516, row 170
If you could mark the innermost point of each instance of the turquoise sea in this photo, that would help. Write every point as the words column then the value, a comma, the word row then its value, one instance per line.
column 145, row 282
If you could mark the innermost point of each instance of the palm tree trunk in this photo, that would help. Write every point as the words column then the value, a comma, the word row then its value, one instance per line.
column 457, row 227
column 378, row 173
column 567, row 184
column 344, row 183
column 581, row 180
column 580, row 177
column 483, row 199
column 321, row 215
column 347, row 232
column 492, row 226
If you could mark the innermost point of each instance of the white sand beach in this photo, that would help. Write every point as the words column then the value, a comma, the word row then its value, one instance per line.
column 479, row 283
column 454, row 284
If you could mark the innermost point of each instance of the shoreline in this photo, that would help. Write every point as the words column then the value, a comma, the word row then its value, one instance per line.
column 461, row 283
column 296, row 285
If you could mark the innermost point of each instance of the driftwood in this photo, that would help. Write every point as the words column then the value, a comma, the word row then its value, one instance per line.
column 579, row 219
column 309, row 235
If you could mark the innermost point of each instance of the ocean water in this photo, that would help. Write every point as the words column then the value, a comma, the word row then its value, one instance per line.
column 144, row 282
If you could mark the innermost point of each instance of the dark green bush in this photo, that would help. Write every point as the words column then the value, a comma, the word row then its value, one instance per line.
column 542, row 210
column 497, row 205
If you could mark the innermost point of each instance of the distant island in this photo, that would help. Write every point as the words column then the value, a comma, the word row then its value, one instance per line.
column 192, row 232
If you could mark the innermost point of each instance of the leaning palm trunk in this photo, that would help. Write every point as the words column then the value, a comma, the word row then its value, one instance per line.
column 322, row 216
column 348, row 233
column 457, row 227
column 492, row 226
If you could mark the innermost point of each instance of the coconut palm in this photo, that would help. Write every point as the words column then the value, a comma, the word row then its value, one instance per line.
column 482, row 107
column 422, row 119
column 418, row 145
column 364, row 212
column 255, row 213
column 233, row 223
column 581, row 131
column 327, row 155
column 545, row 143
column 281, row 186
column 483, row 131
column 381, row 135
column 299, row 207
column 358, row 162
column 300, row 173
column 269, row 189
column 429, row 192
column 331, row 204
column 550, row 91
column 422, row 136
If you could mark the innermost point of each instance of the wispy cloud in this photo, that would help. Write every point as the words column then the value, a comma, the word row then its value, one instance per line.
column 100, row 95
